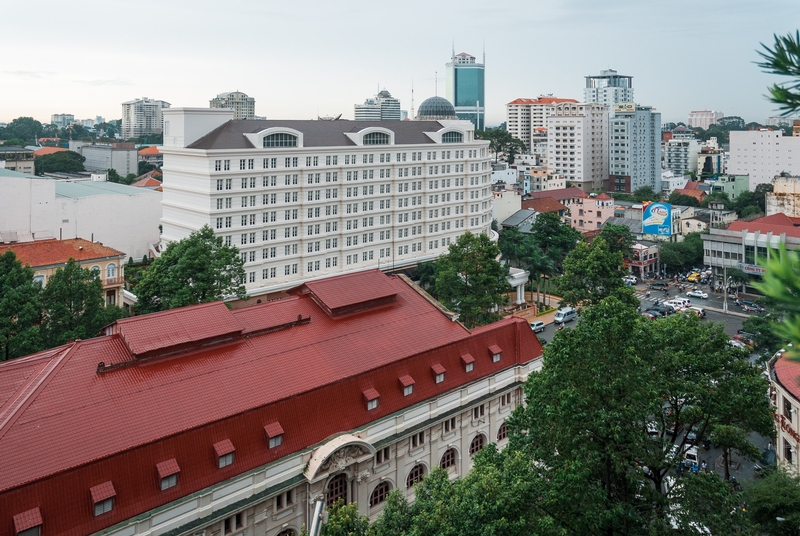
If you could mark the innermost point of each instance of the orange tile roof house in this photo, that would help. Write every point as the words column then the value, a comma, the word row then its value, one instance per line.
column 48, row 150
column 46, row 256
column 546, row 204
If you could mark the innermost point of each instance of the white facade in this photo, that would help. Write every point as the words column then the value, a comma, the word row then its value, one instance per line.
column 680, row 155
column 526, row 120
column 635, row 149
column 27, row 208
column 142, row 116
column 102, row 157
column 382, row 107
column 670, row 181
column 763, row 154
column 243, row 107
column 577, row 144
column 506, row 203
column 704, row 118
column 317, row 207
column 608, row 88
column 62, row 120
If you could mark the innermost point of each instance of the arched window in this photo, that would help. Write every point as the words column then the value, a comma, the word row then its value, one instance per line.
column 448, row 459
column 287, row 532
column 337, row 489
column 502, row 433
column 280, row 139
column 376, row 138
column 452, row 137
column 415, row 475
column 96, row 269
column 476, row 445
column 111, row 271
column 380, row 493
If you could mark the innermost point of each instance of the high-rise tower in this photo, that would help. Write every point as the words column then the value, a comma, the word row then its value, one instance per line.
column 608, row 88
column 465, row 88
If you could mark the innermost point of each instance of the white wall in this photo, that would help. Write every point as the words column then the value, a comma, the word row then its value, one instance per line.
column 763, row 154
column 27, row 207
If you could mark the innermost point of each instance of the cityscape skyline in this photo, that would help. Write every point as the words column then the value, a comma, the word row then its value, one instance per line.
column 678, row 63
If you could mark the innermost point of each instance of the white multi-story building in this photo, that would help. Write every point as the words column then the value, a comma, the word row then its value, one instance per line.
column 243, row 107
column 62, row 120
column 781, row 120
column 680, row 155
column 763, row 154
column 608, row 88
column 526, row 120
column 142, row 116
column 634, row 148
column 382, row 107
column 303, row 200
column 577, row 143
column 703, row 118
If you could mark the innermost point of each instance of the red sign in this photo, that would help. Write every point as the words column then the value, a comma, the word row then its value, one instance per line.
column 786, row 427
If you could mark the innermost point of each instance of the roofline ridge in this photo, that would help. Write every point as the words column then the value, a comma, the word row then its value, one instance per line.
column 27, row 393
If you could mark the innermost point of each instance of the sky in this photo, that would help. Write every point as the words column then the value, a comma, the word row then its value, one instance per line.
column 306, row 58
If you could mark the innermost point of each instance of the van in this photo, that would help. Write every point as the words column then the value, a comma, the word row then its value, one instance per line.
column 690, row 457
column 565, row 315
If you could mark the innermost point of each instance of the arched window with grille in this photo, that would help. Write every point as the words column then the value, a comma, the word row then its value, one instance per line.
column 416, row 475
column 280, row 139
column 452, row 137
column 337, row 489
column 111, row 271
column 380, row 493
column 476, row 445
column 448, row 459
column 376, row 138
column 502, row 433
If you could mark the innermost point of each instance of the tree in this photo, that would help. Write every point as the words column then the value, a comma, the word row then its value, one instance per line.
column 781, row 283
column 470, row 280
column 425, row 273
column 685, row 254
column 60, row 162
column 774, row 503
column 501, row 141
column 113, row 176
column 555, row 238
column 592, row 273
column 73, row 305
column 676, row 198
column 25, row 128
column 717, row 197
column 731, row 122
column 344, row 520
column 510, row 244
column 784, row 60
column 20, row 309
column 618, row 239
column 14, row 142
column 145, row 167
column 645, row 193
column 197, row 269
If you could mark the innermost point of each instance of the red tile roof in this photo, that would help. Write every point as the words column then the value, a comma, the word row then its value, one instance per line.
column 561, row 193
column 373, row 289
column 544, row 204
column 699, row 194
column 66, row 426
column 273, row 429
column 149, row 151
column 604, row 197
column 167, row 468
column 54, row 252
column 777, row 224
column 27, row 520
column 103, row 491
column 48, row 150
column 787, row 371
column 541, row 100
column 147, row 182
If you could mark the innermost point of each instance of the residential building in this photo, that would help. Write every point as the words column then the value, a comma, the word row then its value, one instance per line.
column 738, row 244
column 784, row 197
column 577, row 144
column 466, row 88
column 763, row 154
column 17, row 159
column 634, row 148
column 680, row 155
column 784, row 395
column 703, row 118
column 151, row 155
column 243, row 107
column 505, row 203
column 670, row 182
column 542, row 179
column 304, row 200
column 608, row 88
column 263, row 455
column 693, row 189
column 142, row 116
column 546, row 204
column 121, row 157
column 733, row 185
column 522, row 220
column 382, row 107
column 781, row 120
column 644, row 258
column 586, row 212
column 62, row 120
column 526, row 120
column 501, row 173
column 47, row 256
column 711, row 160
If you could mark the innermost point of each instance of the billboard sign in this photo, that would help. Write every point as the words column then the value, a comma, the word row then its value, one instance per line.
column 657, row 219
column 622, row 107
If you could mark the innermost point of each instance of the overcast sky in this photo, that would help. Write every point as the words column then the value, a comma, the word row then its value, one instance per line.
column 305, row 58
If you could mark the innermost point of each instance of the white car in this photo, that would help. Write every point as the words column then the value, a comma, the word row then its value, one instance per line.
column 697, row 294
column 537, row 326
column 630, row 279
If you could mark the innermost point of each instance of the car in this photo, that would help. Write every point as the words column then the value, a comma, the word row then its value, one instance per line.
column 691, row 456
column 650, row 314
column 693, row 277
column 537, row 326
column 737, row 344
column 700, row 311
column 662, row 308
column 750, row 306
column 654, row 314
column 744, row 339
column 630, row 279
column 697, row 294
column 565, row 314
column 659, row 285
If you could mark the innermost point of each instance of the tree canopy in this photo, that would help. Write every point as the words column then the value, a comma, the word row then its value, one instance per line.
column 592, row 272
column 684, row 254
column 501, row 141
column 24, row 128
column 20, row 310
column 676, row 198
column 60, row 162
column 197, row 269
column 555, row 238
column 618, row 239
column 471, row 280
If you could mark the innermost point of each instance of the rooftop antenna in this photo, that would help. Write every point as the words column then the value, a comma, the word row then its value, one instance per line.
column 484, row 52
column 436, row 83
column 412, row 98
column 453, row 55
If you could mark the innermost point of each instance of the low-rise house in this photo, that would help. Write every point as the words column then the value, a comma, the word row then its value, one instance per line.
column 546, row 204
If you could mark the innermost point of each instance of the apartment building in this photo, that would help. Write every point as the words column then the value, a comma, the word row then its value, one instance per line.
column 304, row 200
column 763, row 154
column 680, row 155
column 526, row 119
column 349, row 388
column 703, row 118
column 608, row 88
column 577, row 144
column 634, row 148
column 142, row 116
column 243, row 107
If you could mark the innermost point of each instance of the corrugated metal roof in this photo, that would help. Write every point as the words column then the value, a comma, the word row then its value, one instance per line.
column 91, row 188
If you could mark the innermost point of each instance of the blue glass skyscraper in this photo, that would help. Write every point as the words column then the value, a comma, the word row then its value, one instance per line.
column 465, row 88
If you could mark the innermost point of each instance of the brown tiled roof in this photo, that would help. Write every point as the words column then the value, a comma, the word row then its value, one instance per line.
column 54, row 252
column 152, row 150
column 545, row 204
column 48, row 150
column 561, row 193
column 541, row 100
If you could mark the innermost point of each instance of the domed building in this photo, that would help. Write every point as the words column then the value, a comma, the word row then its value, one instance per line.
column 436, row 108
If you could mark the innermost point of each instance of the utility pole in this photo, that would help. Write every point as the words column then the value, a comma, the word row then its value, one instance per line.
column 725, row 289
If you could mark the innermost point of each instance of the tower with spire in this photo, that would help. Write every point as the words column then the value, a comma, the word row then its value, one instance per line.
column 466, row 87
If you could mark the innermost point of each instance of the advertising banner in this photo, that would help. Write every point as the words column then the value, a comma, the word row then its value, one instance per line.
column 657, row 219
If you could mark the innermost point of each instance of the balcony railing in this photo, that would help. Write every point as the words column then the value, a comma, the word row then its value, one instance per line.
column 112, row 281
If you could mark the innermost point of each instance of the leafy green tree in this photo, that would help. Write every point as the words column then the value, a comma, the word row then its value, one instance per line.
column 784, row 59
column 646, row 193
column 344, row 520
column 717, row 197
column 764, row 337
column 555, row 238
column 731, row 122
column 618, row 238
column 683, row 254
column 470, row 280
column 74, row 306
column 113, row 176
column 197, row 269
column 774, row 503
column 60, row 162
column 676, row 198
column 737, row 278
column 425, row 273
column 15, row 142
column 24, row 128
column 145, row 167
column 20, row 309
column 781, row 283
column 511, row 243
column 501, row 141
column 536, row 262
column 592, row 273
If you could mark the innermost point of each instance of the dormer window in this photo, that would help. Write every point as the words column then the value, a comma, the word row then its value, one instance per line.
column 28, row 523
column 438, row 372
column 274, row 433
column 168, row 473
column 280, row 139
column 469, row 362
column 371, row 396
column 407, row 383
column 103, row 498
column 496, row 353
column 452, row 137
column 225, row 451
column 376, row 138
